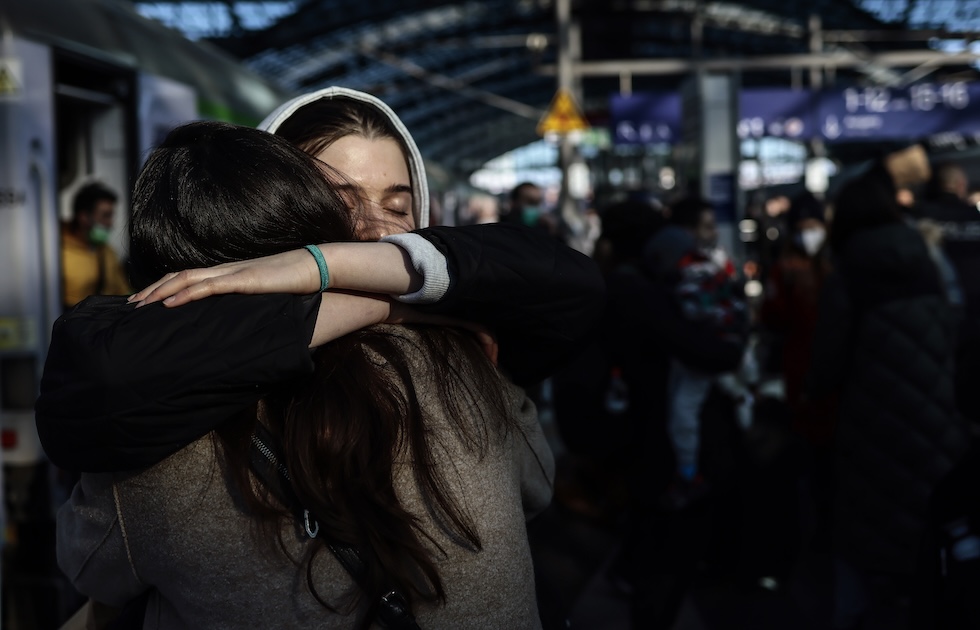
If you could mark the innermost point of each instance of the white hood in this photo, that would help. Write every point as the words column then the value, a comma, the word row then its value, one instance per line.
column 416, row 168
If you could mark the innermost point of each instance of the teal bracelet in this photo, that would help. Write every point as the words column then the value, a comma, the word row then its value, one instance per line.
column 321, row 264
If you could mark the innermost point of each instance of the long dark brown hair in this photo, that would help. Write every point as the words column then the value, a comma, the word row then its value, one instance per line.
column 214, row 193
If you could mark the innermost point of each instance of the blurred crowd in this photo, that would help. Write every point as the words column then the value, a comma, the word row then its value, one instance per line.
column 727, row 433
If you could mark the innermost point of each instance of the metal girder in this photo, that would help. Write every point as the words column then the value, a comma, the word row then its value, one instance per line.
column 455, row 110
column 480, row 143
column 723, row 15
column 457, row 86
column 295, row 64
column 479, row 149
column 904, row 35
column 835, row 59
column 516, row 84
column 463, row 125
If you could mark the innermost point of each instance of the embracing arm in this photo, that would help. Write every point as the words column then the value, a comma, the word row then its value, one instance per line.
column 124, row 387
column 540, row 298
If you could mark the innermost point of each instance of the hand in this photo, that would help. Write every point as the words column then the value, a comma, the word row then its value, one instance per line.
column 289, row 272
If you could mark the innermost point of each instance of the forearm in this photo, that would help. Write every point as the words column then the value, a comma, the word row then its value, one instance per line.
column 342, row 313
column 382, row 268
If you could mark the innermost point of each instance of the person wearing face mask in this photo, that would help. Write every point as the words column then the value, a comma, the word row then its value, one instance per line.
column 89, row 265
column 810, row 234
column 790, row 306
column 527, row 208
column 789, row 314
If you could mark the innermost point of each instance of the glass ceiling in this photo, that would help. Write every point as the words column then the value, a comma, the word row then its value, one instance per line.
column 200, row 19
column 409, row 51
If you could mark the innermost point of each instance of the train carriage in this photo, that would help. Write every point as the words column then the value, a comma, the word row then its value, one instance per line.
column 87, row 87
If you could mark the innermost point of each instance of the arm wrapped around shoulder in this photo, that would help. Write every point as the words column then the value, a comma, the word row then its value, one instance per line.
column 539, row 297
column 110, row 400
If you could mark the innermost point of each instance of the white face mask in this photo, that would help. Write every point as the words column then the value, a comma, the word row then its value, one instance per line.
column 812, row 239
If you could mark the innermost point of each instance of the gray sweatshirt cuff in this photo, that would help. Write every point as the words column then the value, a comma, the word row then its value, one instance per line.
column 428, row 261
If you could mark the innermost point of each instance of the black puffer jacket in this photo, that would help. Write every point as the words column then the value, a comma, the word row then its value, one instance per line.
column 960, row 223
column 885, row 340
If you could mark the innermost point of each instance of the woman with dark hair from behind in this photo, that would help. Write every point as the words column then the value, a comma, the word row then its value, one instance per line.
column 404, row 442
column 884, row 344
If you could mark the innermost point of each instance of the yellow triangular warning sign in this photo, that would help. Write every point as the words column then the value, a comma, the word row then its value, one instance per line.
column 8, row 82
column 563, row 115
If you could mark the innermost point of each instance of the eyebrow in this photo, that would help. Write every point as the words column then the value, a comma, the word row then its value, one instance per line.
column 390, row 190
column 398, row 188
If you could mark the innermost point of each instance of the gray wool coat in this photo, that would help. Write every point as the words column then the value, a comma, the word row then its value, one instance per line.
column 178, row 529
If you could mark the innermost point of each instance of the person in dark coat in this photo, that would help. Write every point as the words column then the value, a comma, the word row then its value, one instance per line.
column 945, row 204
column 885, row 342
column 950, row 570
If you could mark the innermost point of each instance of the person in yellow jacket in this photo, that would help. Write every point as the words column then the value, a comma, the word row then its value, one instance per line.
column 89, row 266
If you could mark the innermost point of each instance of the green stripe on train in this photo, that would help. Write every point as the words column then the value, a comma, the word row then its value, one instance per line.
column 217, row 111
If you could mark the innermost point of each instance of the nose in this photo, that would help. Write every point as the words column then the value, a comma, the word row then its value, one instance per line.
column 372, row 229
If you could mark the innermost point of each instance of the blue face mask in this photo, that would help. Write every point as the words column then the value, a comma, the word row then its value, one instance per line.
column 530, row 215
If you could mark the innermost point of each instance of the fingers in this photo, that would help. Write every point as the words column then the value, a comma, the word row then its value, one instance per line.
column 182, row 287
column 141, row 295
column 200, row 290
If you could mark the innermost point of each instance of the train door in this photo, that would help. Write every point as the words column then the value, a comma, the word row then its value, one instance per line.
column 29, row 289
column 67, row 119
column 96, row 127
column 29, row 303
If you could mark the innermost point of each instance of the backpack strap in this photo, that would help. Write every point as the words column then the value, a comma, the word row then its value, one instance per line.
column 268, row 463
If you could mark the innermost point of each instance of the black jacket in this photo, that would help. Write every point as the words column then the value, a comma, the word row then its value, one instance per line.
column 124, row 388
column 960, row 223
column 885, row 340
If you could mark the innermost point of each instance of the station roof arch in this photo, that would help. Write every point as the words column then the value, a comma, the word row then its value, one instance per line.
column 471, row 78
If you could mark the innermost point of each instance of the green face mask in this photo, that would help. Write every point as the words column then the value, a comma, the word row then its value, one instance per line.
column 98, row 235
column 530, row 215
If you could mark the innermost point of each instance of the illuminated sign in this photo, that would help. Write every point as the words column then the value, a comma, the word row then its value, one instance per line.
column 775, row 112
column 915, row 111
column 649, row 118
column 851, row 113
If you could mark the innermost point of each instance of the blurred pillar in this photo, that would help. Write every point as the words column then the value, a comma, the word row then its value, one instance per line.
column 713, row 154
column 570, row 203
